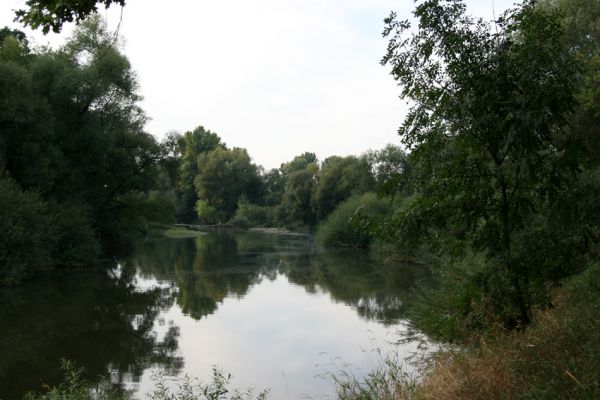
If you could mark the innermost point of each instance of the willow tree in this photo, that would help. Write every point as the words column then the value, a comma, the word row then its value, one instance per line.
column 487, row 102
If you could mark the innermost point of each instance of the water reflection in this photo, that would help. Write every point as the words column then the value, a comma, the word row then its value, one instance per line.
column 212, row 267
column 183, row 305
column 102, row 321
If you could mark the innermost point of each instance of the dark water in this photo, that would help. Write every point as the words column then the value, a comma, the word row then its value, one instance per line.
column 272, row 310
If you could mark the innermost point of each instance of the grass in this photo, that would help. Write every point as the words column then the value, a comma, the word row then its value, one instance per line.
column 555, row 358
column 178, row 232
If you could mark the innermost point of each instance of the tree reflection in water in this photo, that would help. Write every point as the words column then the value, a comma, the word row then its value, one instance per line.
column 110, row 323
column 102, row 321
column 222, row 264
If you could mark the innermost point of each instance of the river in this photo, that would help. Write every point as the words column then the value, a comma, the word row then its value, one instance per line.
column 275, row 311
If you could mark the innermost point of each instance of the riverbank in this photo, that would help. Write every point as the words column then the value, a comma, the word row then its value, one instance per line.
column 557, row 357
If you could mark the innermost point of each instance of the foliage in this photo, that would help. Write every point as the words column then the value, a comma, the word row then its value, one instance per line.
column 248, row 215
column 187, row 149
column 343, row 228
column 76, row 387
column 299, row 163
column 389, row 166
column 16, row 34
column 296, row 205
column 25, row 225
column 207, row 214
column 340, row 178
column 225, row 175
column 389, row 380
column 217, row 389
column 72, row 132
column 488, row 104
column 52, row 14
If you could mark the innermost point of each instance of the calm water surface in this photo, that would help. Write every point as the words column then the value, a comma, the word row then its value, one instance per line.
column 272, row 310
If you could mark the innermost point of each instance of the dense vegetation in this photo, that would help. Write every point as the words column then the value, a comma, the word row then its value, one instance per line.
column 80, row 177
column 77, row 171
column 498, row 194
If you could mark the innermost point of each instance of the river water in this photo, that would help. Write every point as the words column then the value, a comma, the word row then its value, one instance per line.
column 273, row 310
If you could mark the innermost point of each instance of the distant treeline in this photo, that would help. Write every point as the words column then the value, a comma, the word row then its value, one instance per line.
column 211, row 183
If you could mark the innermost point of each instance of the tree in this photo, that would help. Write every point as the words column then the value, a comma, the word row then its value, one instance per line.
column 296, row 205
column 15, row 34
column 340, row 178
column 52, row 14
column 488, row 102
column 389, row 167
column 192, row 144
column 225, row 175
column 71, row 134
column 298, row 163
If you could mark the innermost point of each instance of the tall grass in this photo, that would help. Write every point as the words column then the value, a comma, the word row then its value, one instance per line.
column 558, row 357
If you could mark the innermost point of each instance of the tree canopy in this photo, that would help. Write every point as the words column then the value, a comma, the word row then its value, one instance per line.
column 52, row 14
column 489, row 103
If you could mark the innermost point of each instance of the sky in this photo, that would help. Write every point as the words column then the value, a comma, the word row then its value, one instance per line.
column 277, row 77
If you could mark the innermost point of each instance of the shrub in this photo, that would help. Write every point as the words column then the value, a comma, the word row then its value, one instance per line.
column 249, row 215
column 208, row 214
column 342, row 228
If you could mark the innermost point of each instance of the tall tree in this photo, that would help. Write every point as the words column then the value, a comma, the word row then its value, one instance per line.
column 340, row 178
column 225, row 176
column 488, row 101
column 193, row 144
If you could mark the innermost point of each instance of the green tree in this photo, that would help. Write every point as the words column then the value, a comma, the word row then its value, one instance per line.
column 71, row 131
column 296, row 205
column 52, row 14
column 299, row 162
column 192, row 144
column 488, row 102
column 390, row 167
column 274, row 186
column 340, row 178
column 225, row 175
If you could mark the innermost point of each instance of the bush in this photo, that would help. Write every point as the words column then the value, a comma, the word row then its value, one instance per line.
column 342, row 228
column 26, row 232
column 249, row 215
column 207, row 214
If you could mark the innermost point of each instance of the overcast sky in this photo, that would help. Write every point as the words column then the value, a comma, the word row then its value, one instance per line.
column 278, row 77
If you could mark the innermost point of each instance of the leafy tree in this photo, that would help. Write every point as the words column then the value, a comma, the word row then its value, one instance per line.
column 340, row 178
column 488, row 102
column 16, row 34
column 274, row 186
column 225, row 175
column 296, row 205
column 192, row 144
column 52, row 14
column 298, row 163
column 390, row 167
column 71, row 131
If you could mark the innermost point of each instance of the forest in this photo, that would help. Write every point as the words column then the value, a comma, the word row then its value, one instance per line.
column 494, row 186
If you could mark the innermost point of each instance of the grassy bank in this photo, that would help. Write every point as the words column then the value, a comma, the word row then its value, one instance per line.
column 555, row 358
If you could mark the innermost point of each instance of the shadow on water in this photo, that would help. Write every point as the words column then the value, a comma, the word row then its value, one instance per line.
column 109, row 322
